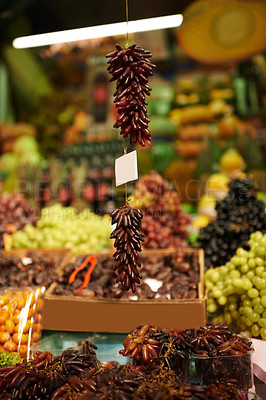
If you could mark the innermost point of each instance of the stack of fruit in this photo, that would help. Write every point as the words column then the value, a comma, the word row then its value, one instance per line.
column 164, row 224
column 64, row 227
column 15, row 213
column 237, row 290
column 239, row 214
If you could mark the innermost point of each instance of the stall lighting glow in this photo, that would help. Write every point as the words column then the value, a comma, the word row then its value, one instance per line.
column 93, row 32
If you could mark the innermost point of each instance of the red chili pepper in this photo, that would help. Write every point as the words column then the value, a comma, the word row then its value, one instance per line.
column 93, row 261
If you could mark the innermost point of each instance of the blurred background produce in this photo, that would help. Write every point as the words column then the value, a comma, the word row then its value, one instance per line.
column 205, row 119
column 164, row 223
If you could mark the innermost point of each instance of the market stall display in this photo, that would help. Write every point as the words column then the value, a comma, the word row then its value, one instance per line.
column 96, row 256
column 237, row 290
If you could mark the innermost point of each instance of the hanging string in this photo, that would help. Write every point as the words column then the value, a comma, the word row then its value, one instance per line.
column 127, row 19
column 125, row 141
column 125, row 152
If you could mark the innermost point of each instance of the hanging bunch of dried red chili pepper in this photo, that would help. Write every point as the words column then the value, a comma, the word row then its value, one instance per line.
column 127, row 237
column 131, row 68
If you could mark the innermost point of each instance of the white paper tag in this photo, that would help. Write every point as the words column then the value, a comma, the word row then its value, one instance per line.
column 26, row 260
column 126, row 168
column 154, row 284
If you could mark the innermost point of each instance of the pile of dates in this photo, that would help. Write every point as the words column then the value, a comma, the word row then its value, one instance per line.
column 32, row 270
column 176, row 274
column 220, row 355
column 15, row 213
column 78, row 375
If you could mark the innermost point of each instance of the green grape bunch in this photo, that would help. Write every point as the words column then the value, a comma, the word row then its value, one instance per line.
column 63, row 227
column 236, row 291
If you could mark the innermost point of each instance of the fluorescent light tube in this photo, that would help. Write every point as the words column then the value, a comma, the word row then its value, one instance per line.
column 93, row 32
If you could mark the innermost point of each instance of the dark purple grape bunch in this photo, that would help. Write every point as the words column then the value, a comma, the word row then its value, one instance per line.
column 127, row 237
column 131, row 68
column 239, row 214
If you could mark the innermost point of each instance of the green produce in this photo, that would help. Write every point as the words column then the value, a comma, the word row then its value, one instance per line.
column 162, row 154
column 262, row 196
column 7, row 358
column 8, row 162
column 162, row 126
column 64, row 227
column 25, row 144
column 237, row 290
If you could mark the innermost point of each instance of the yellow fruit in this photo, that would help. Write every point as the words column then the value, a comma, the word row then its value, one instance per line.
column 10, row 346
column 200, row 221
column 4, row 315
column 4, row 337
column 206, row 206
column 231, row 161
column 218, row 181
column 217, row 185
column 25, row 328
column 206, row 200
column 10, row 326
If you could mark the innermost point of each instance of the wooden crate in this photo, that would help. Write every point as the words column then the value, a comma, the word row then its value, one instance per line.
column 21, row 253
column 73, row 313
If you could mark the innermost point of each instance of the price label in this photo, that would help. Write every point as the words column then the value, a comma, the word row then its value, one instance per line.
column 126, row 168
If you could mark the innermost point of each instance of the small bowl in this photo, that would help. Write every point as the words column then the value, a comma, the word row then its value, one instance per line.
column 234, row 369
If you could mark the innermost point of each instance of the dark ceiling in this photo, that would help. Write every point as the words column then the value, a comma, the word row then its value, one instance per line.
column 39, row 16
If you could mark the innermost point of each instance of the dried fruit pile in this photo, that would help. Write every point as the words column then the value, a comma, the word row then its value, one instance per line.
column 131, row 68
column 178, row 273
column 78, row 375
column 34, row 270
column 15, row 213
column 164, row 224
